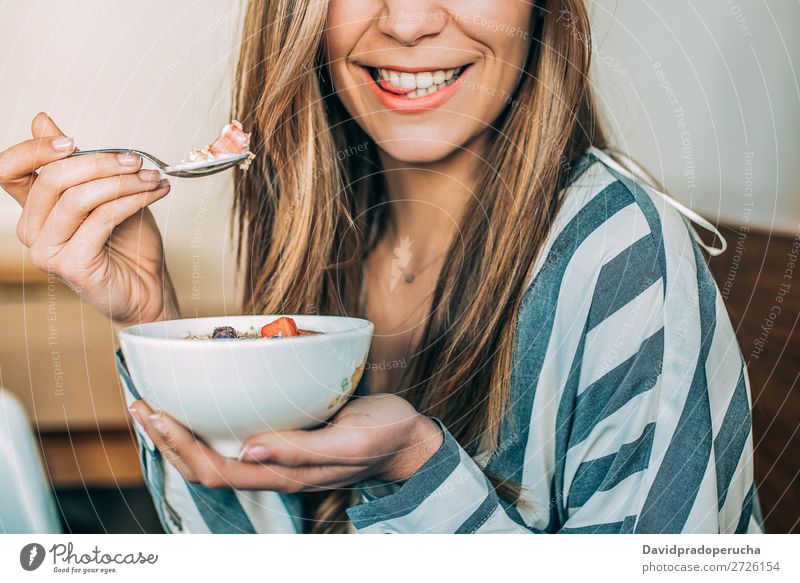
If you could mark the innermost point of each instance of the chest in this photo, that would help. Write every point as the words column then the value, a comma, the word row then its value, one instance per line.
column 400, row 311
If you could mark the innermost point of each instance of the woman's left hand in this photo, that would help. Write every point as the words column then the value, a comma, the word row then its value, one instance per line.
column 378, row 436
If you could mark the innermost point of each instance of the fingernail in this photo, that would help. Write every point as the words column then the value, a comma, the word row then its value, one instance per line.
column 257, row 452
column 135, row 414
column 62, row 144
column 149, row 175
column 163, row 183
column 129, row 159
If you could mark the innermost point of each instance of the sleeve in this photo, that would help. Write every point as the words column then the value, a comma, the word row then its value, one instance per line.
column 149, row 456
column 184, row 507
column 659, row 437
column 449, row 494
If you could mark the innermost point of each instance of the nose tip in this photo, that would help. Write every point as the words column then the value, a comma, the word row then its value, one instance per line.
column 411, row 27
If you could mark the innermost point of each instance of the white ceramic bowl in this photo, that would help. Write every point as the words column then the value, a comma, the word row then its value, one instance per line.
column 228, row 390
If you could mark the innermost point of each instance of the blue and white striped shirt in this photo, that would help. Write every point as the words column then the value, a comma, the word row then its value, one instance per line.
column 630, row 400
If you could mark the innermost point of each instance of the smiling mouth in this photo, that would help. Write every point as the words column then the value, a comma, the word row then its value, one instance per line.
column 414, row 85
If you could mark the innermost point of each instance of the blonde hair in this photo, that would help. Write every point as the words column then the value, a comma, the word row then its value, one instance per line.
column 304, row 215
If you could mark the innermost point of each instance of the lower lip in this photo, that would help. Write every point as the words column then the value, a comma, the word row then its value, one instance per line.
column 415, row 104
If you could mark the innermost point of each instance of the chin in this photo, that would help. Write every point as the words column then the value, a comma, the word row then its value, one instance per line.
column 418, row 152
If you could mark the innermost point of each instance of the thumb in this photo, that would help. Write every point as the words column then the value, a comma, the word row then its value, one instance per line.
column 43, row 126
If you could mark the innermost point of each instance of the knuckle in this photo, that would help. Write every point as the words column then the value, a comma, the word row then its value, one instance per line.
column 70, row 268
column 82, row 197
column 7, row 170
column 49, row 178
column 24, row 232
column 94, row 164
column 46, row 174
column 41, row 258
column 294, row 487
column 190, row 476
column 170, row 454
column 5, row 176
column 104, row 212
column 211, row 479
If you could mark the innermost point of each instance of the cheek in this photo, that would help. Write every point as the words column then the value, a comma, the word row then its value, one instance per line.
column 347, row 22
column 504, row 29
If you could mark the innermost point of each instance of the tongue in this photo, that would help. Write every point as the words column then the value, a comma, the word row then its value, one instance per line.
column 387, row 86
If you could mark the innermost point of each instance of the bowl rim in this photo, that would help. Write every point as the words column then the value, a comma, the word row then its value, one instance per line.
column 363, row 324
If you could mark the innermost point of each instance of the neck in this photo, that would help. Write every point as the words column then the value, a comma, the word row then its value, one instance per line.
column 427, row 201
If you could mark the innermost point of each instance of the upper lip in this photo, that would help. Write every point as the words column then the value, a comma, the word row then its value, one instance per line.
column 413, row 68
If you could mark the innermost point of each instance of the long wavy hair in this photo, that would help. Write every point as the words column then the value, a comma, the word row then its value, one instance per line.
column 305, row 218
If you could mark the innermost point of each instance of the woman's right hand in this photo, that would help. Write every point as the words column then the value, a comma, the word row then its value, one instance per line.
column 85, row 220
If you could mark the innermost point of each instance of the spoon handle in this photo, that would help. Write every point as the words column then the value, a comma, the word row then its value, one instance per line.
column 150, row 157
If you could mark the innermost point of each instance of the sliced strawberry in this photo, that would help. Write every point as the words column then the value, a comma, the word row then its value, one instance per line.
column 232, row 140
column 283, row 326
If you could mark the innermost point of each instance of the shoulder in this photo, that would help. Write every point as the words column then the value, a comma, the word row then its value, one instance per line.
column 608, row 221
column 616, row 249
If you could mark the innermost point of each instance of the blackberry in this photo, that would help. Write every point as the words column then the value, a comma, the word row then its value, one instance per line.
column 224, row 333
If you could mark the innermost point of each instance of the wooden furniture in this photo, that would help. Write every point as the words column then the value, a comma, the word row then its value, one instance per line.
column 56, row 355
column 755, row 275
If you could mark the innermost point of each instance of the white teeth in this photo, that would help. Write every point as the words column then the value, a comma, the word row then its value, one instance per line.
column 424, row 80
column 420, row 84
column 408, row 81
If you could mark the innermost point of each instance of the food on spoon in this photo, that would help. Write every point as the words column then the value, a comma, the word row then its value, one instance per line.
column 232, row 141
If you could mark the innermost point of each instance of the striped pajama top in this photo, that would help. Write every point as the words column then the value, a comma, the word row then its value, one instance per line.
column 630, row 399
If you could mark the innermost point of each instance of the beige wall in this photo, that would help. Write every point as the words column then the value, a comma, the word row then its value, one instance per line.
column 153, row 75
column 704, row 92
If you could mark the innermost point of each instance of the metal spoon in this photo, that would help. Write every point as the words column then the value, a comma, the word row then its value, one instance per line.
column 194, row 169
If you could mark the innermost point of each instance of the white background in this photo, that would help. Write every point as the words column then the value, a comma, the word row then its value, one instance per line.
column 406, row 558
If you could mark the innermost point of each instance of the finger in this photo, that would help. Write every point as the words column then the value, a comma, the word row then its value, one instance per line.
column 141, row 412
column 75, row 259
column 93, row 234
column 18, row 163
column 207, row 466
column 316, row 478
column 61, row 175
column 80, row 201
column 295, row 479
column 43, row 126
column 43, row 130
column 329, row 445
column 212, row 470
column 279, row 478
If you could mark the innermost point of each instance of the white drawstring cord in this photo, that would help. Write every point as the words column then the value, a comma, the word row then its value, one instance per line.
column 639, row 176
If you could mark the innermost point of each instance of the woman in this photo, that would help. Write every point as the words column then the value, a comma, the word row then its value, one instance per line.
column 550, row 354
